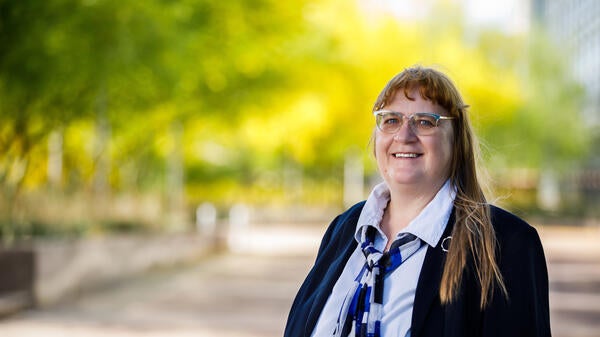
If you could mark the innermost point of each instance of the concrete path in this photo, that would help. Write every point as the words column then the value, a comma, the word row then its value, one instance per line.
column 573, row 256
column 247, row 293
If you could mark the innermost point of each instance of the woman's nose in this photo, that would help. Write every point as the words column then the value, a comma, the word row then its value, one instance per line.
column 405, row 133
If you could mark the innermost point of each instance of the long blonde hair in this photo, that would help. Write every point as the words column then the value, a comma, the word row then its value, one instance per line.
column 473, row 235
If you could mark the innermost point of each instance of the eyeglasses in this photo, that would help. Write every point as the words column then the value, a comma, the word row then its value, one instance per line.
column 421, row 123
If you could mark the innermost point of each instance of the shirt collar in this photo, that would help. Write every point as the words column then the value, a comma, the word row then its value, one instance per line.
column 428, row 226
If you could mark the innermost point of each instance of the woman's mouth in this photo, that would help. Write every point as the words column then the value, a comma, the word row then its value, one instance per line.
column 406, row 155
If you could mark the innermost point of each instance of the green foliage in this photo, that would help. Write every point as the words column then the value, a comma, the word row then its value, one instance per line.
column 260, row 88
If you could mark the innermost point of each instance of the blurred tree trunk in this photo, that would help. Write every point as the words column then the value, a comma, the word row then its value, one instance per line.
column 100, row 187
column 55, row 158
column 176, row 217
column 353, row 178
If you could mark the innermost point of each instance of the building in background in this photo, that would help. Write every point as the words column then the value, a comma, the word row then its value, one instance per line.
column 575, row 26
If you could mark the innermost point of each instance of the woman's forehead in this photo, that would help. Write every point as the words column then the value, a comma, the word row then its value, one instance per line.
column 414, row 91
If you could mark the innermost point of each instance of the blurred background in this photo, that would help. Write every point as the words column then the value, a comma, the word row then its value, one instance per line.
column 138, row 135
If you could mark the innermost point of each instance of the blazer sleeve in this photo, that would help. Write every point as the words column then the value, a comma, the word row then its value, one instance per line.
column 523, row 266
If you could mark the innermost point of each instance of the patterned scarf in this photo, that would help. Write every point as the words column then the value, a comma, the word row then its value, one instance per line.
column 360, row 314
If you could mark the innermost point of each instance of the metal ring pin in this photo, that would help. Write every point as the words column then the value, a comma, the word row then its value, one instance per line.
column 444, row 245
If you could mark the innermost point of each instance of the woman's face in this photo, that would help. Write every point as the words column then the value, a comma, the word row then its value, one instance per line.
column 405, row 159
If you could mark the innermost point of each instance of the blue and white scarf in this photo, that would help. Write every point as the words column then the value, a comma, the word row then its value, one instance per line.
column 361, row 311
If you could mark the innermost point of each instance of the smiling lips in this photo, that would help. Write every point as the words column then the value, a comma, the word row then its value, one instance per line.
column 406, row 155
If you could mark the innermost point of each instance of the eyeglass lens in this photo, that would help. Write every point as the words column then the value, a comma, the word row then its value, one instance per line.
column 420, row 123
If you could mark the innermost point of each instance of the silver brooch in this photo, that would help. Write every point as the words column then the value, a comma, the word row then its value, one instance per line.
column 446, row 243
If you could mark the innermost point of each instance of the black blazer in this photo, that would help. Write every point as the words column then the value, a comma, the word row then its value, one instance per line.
column 520, row 258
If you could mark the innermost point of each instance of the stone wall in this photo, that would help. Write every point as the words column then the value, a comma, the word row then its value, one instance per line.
column 66, row 268
column 61, row 269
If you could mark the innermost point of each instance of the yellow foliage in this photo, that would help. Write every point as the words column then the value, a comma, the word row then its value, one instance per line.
column 220, row 85
column 293, row 125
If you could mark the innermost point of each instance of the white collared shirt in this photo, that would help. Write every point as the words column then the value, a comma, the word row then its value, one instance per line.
column 401, row 284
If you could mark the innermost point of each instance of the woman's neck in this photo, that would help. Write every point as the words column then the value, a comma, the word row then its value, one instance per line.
column 405, row 205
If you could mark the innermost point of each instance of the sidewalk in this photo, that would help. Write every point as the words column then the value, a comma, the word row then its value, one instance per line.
column 247, row 293
column 573, row 255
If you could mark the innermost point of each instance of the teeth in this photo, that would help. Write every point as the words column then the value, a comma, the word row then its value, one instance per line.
column 406, row 155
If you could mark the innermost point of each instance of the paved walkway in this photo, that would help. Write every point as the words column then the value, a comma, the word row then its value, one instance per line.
column 573, row 256
column 247, row 293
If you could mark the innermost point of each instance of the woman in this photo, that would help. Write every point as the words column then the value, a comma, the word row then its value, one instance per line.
column 425, row 254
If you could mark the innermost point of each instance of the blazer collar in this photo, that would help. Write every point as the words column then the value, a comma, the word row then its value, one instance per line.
column 428, row 286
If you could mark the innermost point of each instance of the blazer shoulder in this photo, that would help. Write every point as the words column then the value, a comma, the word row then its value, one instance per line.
column 505, row 221
column 342, row 227
column 346, row 220
column 352, row 213
column 513, row 231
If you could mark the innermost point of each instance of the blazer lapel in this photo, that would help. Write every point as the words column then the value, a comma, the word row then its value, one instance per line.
column 428, row 287
column 339, row 258
column 327, row 283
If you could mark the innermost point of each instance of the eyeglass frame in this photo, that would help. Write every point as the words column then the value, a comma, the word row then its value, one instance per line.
column 410, row 118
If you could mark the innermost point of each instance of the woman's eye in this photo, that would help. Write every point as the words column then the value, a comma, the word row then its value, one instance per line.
column 392, row 120
column 425, row 123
